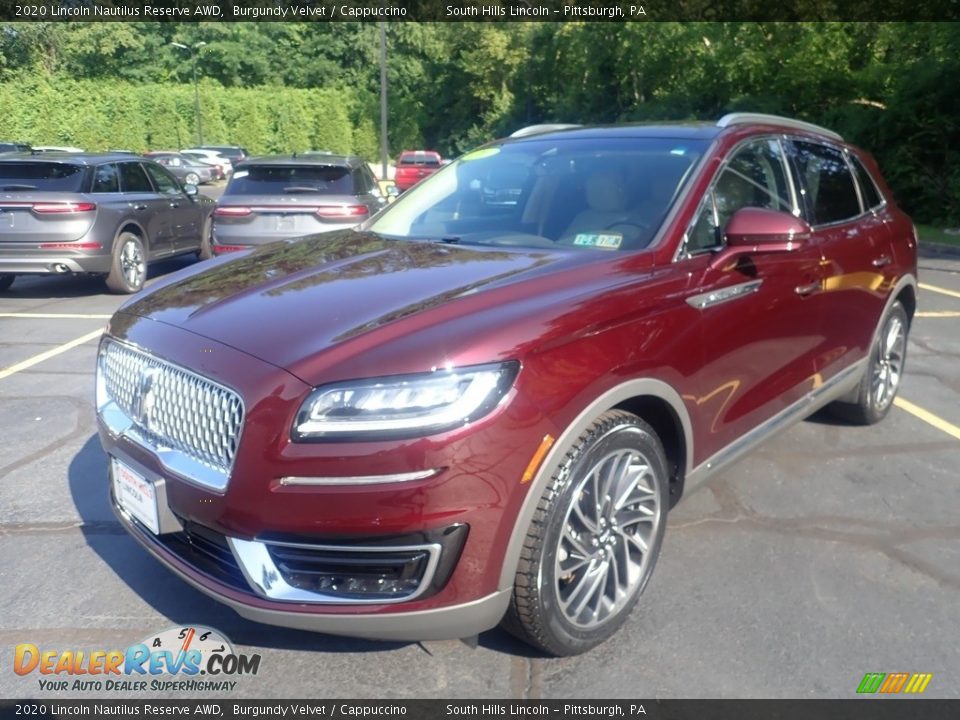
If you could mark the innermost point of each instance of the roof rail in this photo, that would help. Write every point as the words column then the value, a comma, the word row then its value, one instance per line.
column 742, row 118
column 545, row 128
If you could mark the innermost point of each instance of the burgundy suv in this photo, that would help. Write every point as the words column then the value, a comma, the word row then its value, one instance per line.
column 470, row 410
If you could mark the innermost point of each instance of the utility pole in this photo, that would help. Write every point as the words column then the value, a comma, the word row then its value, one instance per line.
column 383, row 100
column 194, row 51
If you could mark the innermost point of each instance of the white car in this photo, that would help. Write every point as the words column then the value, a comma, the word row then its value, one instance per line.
column 210, row 157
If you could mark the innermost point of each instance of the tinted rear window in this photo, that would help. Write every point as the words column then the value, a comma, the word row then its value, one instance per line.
column 40, row 176
column 291, row 179
column 427, row 160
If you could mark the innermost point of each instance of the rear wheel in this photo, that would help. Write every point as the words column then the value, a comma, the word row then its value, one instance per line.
column 593, row 542
column 881, row 381
column 6, row 281
column 192, row 179
column 129, row 269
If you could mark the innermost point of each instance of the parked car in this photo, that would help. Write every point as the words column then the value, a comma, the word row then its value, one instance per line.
column 284, row 196
column 102, row 214
column 233, row 153
column 185, row 168
column 414, row 165
column 210, row 157
column 6, row 147
column 464, row 410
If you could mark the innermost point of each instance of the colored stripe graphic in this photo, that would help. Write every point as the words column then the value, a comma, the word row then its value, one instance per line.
column 871, row 682
column 918, row 683
column 894, row 683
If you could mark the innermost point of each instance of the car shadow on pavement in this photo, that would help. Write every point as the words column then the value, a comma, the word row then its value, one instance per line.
column 40, row 287
column 170, row 596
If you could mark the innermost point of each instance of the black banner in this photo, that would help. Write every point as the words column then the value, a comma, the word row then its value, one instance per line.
column 476, row 10
column 596, row 709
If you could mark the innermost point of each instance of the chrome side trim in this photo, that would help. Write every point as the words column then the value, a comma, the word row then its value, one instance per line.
column 741, row 118
column 731, row 292
column 832, row 389
column 359, row 479
column 265, row 578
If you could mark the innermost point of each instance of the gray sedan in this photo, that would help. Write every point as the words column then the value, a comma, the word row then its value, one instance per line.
column 279, row 197
column 103, row 214
column 186, row 169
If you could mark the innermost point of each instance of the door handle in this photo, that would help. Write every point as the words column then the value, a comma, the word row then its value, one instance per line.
column 174, row 204
column 803, row 290
column 138, row 206
column 882, row 261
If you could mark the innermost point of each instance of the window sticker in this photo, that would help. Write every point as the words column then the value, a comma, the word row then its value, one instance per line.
column 478, row 154
column 606, row 241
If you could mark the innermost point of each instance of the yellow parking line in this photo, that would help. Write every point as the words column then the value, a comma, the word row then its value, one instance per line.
column 928, row 417
column 939, row 314
column 30, row 362
column 942, row 291
column 55, row 316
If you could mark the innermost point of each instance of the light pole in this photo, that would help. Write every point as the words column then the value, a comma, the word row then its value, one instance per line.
column 194, row 50
column 383, row 100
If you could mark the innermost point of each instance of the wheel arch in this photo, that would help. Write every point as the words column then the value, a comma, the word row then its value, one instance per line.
column 657, row 403
column 137, row 229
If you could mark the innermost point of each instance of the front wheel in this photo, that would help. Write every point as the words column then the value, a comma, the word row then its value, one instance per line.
column 881, row 381
column 594, row 539
column 192, row 179
column 6, row 281
column 129, row 268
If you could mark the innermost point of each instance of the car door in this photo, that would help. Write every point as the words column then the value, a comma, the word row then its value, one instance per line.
column 183, row 215
column 759, row 315
column 857, row 256
column 146, row 207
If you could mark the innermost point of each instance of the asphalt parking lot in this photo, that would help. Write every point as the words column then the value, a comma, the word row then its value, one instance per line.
column 831, row 552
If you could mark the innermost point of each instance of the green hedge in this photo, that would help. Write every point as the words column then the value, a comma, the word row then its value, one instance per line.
column 101, row 115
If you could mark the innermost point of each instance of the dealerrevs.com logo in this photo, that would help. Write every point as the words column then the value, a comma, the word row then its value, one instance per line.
column 180, row 659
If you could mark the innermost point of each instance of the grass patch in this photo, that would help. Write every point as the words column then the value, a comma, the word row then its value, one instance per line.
column 937, row 235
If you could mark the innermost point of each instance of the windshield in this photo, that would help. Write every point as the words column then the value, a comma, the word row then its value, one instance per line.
column 284, row 179
column 40, row 176
column 602, row 194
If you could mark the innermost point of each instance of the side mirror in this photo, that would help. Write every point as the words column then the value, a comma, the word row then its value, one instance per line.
column 190, row 189
column 758, row 230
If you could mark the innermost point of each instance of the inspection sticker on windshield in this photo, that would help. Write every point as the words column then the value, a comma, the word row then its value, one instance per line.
column 608, row 241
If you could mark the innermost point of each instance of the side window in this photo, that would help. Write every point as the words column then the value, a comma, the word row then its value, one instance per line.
column 134, row 179
column 163, row 180
column 106, row 179
column 829, row 185
column 868, row 188
column 755, row 176
column 360, row 184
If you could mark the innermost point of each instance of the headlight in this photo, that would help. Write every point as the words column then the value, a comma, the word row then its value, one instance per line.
column 403, row 405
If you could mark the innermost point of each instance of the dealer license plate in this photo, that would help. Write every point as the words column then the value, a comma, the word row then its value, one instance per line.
column 136, row 495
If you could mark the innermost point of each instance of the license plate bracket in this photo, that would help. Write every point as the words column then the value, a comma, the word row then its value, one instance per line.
column 135, row 494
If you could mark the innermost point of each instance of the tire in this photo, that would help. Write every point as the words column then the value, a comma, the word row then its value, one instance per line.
column 129, row 268
column 881, row 381
column 6, row 281
column 565, row 599
column 192, row 179
column 206, row 243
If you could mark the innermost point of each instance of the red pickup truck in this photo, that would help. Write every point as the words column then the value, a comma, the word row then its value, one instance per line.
column 414, row 165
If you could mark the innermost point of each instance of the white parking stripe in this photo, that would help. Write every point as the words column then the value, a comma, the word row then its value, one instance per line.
column 55, row 316
column 30, row 362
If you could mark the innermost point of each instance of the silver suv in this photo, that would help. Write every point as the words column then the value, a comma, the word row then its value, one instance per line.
column 106, row 214
column 280, row 197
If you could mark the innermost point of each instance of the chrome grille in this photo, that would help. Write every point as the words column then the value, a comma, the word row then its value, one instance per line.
column 173, row 409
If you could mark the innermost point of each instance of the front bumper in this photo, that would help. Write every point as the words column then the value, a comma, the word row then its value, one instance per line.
column 474, row 483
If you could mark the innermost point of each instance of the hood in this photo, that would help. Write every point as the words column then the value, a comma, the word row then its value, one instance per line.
column 288, row 300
